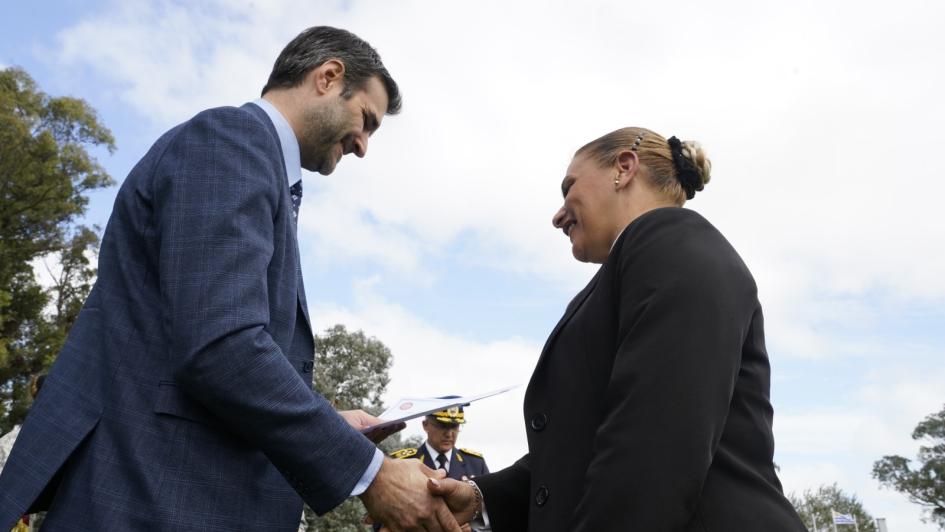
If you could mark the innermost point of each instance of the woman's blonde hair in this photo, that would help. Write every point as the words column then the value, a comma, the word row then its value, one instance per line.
column 678, row 177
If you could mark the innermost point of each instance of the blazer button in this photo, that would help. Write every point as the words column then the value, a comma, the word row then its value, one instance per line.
column 541, row 496
column 538, row 422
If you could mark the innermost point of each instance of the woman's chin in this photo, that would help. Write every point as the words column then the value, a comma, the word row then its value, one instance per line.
column 579, row 253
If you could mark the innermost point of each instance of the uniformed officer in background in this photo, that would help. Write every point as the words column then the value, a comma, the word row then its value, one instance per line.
column 440, row 451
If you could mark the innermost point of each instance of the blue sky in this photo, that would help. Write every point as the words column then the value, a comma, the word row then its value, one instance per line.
column 822, row 121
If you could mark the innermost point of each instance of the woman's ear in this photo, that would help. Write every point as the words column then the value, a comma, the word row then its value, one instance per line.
column 628, row 162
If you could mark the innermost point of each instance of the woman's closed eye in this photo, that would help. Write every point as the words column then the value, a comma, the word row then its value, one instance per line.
column 566, row 186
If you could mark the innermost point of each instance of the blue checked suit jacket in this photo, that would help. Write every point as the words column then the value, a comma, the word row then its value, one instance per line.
column 182, row 398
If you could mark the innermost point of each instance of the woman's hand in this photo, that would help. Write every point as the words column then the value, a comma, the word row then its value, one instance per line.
column 460, row 497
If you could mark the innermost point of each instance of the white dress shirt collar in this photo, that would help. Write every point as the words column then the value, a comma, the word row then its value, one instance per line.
column 290, row 144
column 434, row 453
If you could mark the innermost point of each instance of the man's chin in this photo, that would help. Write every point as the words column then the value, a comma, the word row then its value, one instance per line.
column 325, row 166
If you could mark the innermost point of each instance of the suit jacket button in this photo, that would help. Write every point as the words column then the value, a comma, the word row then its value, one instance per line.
column 541, row 496
column 538, row 422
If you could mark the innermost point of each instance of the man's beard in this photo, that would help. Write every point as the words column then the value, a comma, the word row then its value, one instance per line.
column 324, row 128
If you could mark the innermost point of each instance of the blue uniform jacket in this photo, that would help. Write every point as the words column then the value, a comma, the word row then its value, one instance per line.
column 464, row 461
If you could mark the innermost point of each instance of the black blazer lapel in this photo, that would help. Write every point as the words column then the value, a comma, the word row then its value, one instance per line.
column 568, row 314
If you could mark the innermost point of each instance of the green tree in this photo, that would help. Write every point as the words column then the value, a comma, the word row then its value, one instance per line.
column 46, row 172
column 926, row 484
column 351, row 369
column 817, row 504
column 351, row 373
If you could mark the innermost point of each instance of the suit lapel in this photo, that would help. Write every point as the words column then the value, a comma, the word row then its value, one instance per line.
column 568, row 314
column 426, row 458
column 264, row 118
column 301, row 295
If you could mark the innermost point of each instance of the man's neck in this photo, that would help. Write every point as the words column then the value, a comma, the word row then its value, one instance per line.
column 434, row 453
column 286, row 103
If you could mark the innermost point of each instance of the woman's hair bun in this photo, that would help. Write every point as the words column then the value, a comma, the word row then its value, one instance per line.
column 694, row 152
column 693, row 167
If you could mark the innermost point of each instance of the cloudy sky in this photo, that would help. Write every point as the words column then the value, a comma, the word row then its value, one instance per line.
column 823, row 121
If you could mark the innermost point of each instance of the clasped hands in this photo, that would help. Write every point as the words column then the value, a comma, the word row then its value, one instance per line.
column 407, row 495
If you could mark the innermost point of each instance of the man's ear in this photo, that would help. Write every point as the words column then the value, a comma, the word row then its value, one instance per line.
column 328, row 77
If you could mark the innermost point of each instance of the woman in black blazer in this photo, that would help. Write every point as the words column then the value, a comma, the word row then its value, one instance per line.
column 648, row 409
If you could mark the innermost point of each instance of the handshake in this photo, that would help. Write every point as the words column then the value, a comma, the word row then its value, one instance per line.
column 407, row 495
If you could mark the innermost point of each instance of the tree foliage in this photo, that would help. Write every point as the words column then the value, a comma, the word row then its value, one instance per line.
column 351, row 369
column 924, row 485
column 816, row 505
column 46, row 172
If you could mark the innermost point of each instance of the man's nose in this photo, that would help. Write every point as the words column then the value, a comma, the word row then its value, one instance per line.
column 558, row 219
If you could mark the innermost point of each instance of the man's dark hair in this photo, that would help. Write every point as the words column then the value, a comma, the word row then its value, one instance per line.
column 318, row 44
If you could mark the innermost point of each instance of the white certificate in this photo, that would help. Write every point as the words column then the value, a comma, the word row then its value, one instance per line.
column 413, row 407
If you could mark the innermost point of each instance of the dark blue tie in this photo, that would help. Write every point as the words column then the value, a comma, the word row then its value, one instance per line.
column 441, row 460
column 296, row 191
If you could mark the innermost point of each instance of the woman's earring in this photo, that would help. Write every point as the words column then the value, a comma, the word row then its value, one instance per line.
column 617, row 181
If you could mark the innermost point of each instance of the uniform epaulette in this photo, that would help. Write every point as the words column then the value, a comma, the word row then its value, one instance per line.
column 470, row 452
column 403, row 453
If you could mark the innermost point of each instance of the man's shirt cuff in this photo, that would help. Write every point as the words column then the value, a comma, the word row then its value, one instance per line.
column 369, row 474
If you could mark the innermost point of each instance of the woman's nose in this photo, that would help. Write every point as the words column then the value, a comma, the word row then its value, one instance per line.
column 558, row 219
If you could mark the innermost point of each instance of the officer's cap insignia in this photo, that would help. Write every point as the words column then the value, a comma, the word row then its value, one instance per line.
column 452, row 415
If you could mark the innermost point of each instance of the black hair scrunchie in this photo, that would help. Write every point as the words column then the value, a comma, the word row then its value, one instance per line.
column 689, row 176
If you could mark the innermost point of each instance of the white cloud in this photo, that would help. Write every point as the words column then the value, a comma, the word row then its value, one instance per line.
column 818, row 132
column 816, row 128
column 811, row 129
column 900, row 515
column 839, row 443
column 430, row 363
column 46, row 270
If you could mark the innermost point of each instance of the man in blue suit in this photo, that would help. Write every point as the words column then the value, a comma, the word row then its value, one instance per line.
column 182, row 398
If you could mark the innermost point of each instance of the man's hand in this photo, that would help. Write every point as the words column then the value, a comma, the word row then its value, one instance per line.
column 360, row 420
column 459, row 496
column 400, row 497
